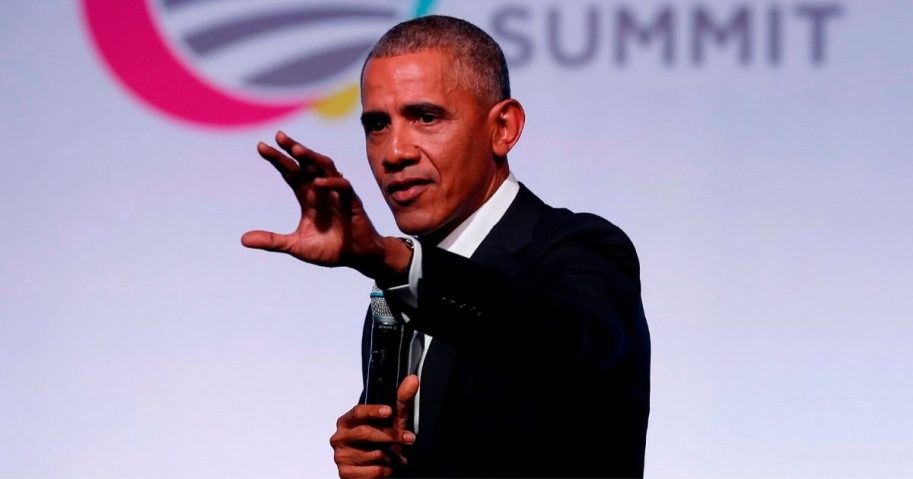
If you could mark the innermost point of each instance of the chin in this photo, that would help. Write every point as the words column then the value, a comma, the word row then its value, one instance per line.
column 414, row 229
column 416, row 224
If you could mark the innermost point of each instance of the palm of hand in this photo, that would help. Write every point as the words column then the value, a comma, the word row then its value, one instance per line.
column 324, row 233
column 334, row 229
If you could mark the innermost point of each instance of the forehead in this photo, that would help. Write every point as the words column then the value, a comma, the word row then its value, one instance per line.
column 428, row 75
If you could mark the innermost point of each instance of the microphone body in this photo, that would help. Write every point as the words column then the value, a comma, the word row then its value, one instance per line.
column 387, row 363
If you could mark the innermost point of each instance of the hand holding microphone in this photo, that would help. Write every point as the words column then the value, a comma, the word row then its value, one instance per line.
column 369, row 438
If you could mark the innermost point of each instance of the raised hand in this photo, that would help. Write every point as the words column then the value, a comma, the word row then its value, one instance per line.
column 334, row 229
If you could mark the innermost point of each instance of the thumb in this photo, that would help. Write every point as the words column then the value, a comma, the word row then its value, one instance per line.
column 404, row 397
column 265, row 240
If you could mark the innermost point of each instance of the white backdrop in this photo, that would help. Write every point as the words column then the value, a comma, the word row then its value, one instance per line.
column 769, row 200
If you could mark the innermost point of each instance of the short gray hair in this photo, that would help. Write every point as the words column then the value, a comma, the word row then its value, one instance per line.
column 484, row 68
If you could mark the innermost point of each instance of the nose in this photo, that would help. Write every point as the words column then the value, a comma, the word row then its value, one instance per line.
column 401, row 148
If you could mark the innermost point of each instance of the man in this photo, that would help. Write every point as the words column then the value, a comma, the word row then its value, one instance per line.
column 536, row 349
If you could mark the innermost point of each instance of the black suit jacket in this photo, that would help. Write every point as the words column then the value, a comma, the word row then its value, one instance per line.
column 541, row 354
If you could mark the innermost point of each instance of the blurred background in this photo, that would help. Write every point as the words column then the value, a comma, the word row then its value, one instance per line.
column 758, row 153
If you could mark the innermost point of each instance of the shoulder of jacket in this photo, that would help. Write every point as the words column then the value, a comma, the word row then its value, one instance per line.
column 569, row 224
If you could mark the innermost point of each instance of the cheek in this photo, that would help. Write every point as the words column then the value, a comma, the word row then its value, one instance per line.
column 448, row 151
column 462, row 164
column 375, row 162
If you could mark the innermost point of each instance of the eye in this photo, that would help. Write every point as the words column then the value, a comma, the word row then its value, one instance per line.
column 375, row 125
column 427, row 118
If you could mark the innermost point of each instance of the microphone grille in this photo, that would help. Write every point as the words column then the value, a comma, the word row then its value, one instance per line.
column 379, row 305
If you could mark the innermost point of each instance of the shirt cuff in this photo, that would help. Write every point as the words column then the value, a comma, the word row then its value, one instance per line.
column 408, row 293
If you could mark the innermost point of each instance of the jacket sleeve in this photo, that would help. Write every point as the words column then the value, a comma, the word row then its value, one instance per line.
column 574, row 303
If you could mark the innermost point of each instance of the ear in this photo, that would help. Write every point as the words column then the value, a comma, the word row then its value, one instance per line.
column 507, row 118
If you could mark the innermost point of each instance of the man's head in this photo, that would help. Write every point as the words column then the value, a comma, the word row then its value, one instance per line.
column 478, row 59
column 438, row 121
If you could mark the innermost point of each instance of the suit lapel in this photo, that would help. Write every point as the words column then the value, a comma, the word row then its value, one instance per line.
column 497, row 251
column 511, row 234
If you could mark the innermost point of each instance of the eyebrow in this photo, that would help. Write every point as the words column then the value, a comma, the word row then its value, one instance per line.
column 414, row 110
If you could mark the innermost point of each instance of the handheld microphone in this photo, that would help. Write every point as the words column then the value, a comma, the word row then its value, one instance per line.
column 387, row 364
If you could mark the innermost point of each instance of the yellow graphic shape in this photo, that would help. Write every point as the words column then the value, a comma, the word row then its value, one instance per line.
column 338, row 104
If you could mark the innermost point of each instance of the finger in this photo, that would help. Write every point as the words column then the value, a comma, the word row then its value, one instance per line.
column 335, row 183
column 404, row 397
column 266, row 240
column 364, row 436
column 406, row 393
column 364, row 413
column 287, row 167
column 306, row 155
column 359, row 457
column 366, row 472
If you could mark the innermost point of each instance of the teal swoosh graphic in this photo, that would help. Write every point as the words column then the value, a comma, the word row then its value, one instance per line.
column 423, row 7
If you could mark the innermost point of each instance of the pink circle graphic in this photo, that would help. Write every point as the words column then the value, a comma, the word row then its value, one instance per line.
column 127, row 38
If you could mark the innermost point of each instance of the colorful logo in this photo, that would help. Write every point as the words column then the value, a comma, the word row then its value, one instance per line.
column 229, row 63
